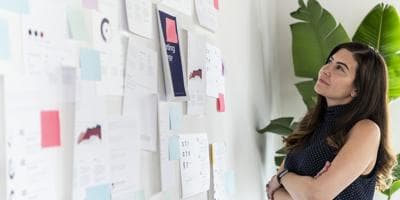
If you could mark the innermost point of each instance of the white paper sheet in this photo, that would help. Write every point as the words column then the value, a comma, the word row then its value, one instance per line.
column 207, row 14
column 183, row 6
column 218, row 163
column 142, row 103
column 112, row 68
column 68, row 84
column 91, row 164
column 141, row 66
column 31, row 170
column 196, row 74
column 44, row 48
column 214, row 70
column 124, row 154
column 194, row 164
column 140, row 18
column 104, row 31
column 169, row 175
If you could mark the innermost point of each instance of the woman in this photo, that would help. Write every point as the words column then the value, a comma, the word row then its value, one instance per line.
column 341, row 149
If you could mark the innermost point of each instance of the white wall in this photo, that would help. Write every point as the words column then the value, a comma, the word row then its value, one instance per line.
column 350, row 14
column 251, row 96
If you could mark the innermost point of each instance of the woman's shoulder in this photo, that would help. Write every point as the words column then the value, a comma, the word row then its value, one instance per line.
column 366, row 128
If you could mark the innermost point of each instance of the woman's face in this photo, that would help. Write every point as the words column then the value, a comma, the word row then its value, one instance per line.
column 335, row 78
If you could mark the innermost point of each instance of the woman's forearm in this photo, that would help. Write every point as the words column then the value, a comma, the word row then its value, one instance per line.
column 282, row 194
column 298, row 187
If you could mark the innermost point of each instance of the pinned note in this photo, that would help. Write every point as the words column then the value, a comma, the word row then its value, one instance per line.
column 90, row 65
column 77, row 25
column 230, row 182
column 4, row 40
column 172, row 35
column 18, row 6
column 175, row 116
column 139, row 195
column 216, row 4
column 99, row 192
column 90, row 4
column 173, row 147
column 221, row 103
column 50, row 128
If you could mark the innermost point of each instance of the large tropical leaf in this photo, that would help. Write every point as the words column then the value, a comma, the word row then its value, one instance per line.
column 280, row 126
column 381, row 30
column 306, row 89
column 279, row 160
column 313, row 38
column 281, row 151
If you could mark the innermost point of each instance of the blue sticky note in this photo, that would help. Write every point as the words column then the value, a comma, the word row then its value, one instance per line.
column 139, row 195
column 77, row 25
column 4, row 40
column 99, row 192
column 90, row 64
column 18, row 6
column 173, row 147
column 230, row 182
column 175, row 116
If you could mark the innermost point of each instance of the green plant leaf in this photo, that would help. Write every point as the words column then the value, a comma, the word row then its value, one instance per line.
column 393, row 188
column 280, row 126
column 281, row 151
column 279, row 160
column 314, row 38
column 294, row 125
column 381, row 30
column 396, row 182
column 306, row 89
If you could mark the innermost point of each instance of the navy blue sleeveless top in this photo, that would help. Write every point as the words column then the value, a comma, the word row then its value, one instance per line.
column 310, row 159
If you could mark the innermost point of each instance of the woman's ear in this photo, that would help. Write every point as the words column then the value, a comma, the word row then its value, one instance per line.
column 353, row 93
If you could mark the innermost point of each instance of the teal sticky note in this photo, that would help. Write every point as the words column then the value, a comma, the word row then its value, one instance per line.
column 139, row 195
column 230, row 182
column 18, row 6
column 77, row 24
column 4, row 40
column 99, row 192
column 90, row 64
column 173, row 147
column 175, row 116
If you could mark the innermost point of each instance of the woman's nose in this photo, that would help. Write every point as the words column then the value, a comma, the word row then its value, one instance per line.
column 325, row 70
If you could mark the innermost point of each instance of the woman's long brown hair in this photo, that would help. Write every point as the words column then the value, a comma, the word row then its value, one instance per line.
column 370, row 103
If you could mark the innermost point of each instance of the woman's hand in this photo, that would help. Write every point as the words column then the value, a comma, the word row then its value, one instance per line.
column 272, row 186
column 281, row 194
column 324, row 169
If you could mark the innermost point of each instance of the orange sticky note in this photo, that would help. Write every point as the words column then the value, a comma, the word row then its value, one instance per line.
column 221, row 103
column 216, row 6
column 50, row 126
column 170, row 25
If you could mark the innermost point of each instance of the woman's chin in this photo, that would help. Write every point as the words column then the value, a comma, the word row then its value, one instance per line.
column 318, row 90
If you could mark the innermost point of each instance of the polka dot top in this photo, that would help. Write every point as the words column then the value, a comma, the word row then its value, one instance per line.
column 309, row 160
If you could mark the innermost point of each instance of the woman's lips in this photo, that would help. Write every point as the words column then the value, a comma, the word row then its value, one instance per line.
column 323, row 82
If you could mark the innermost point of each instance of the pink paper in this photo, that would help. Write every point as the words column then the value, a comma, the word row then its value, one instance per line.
column 172, row 36
column 50, row 125
column 221, row 103
column 216, row 4
column 90, row 4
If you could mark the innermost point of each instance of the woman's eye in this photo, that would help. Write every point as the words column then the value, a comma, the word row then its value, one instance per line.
column 340, row 67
